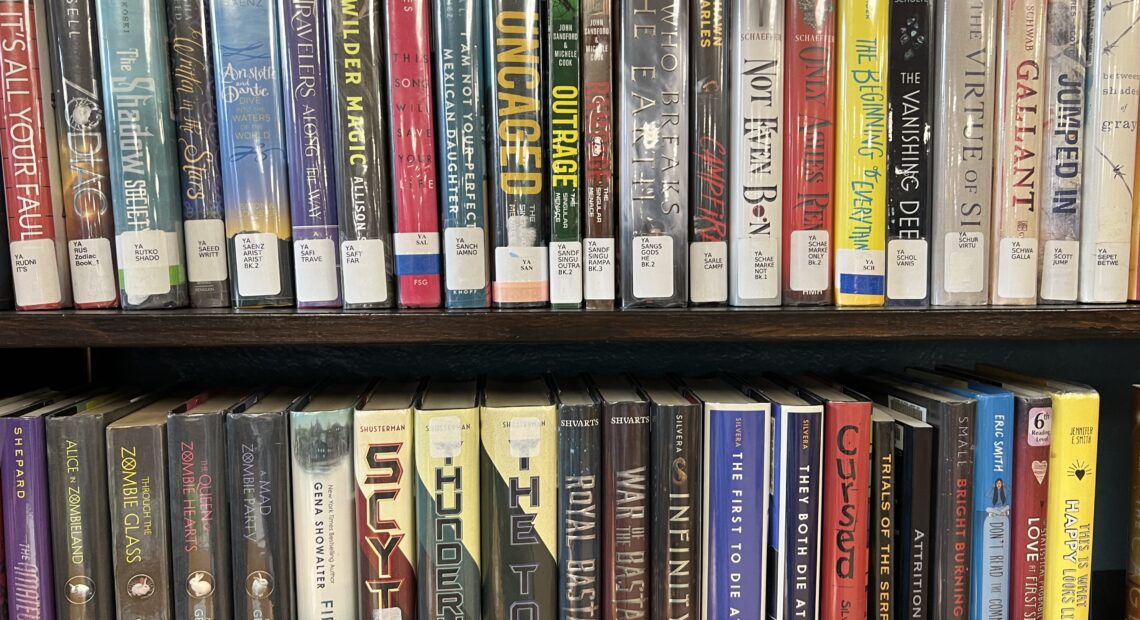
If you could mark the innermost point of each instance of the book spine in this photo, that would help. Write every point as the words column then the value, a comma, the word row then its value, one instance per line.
column 625, row 506
column 360, row 154
column 261, row 521
column 140, row 536
column 77, row 480
column 676, row 499
column 964, row 148
column 447, row 514
column 1071, row 505
column 308, row 145
column 950, row 592
column 519, row 453
column 756, row 166
column 844, row 527
column 913, row 536
column 1106, row 202
column 563, row 39
column 385, row 513
column 599, row 287
column 710, row 98
column 251, row 140
column 909, row 182
column 7, row 293
column 415, row 237
column 861, row 154
column 143, row 154
column 462, row 144
column 85, row 181
column 883, row 597
column 801, row 585
column 199, row 516
column 734, row 536
column 653, row 189
column 1133, row 265
column 323, row 513
column 1133, row 573
column 579, row 505
column 994, row 490
column 514, row 47
column 28, row 551
column 1017, row 165
column 34, row 203
column 195, row 105
column 1062, row 136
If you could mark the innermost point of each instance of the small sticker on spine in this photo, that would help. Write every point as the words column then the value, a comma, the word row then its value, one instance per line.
column 708, row 269
column 525, row 437
column 810, row 260
column 364, row 266
column 565, row 272
column 258, row 264
column 1059, row 270
column 35, row 272
column 1040, row 426
column 1110, row 273
column 445, row 437
column 653, row 267
column 758, row 274
column 907, row 260
column 314, row 261
column 964, row 266
column 206, row 251
column 520, row 264
column 415, row 243
column 145, row 261
column 465, row 258
column 600, row 282
column 1017, row 268
column 92, row 271
column 861, row 272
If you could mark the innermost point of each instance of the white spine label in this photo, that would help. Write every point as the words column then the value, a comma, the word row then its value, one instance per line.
column 415, row 243
column 465, row 259
column 145, row 261
column 810, row 257
column 600, row 282
column 1110, row 272
column 708, row 266
column 653, row 267
column 964, row 269
column 365, row 271
column 520, row 264
column 1059, row 270
column 907, row 261
column 258, row 265
column 35, row 273
column 315, row 263
column 1017, row 268
column 565, row 272
column 758, row 276
column 206, row 251
column 92, row 271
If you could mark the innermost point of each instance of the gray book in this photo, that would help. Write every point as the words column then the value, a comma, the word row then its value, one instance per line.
column 653, row 188
column 966, row 58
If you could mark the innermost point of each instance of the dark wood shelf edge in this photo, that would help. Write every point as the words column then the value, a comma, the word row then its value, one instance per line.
column 190, row 328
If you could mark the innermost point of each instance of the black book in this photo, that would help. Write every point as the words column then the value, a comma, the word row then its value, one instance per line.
column 261, row 524
column 913, row 517
column 579, row 500
column 7, row 292
column 676, row 429
column 883, row 597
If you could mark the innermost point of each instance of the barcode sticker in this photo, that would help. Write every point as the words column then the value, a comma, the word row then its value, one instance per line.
column 92, row 271
column 258, row 264
column 708, row 269
column 653, row 267
column 145, row 260
column 1017, row 268
column 1110, row 273
column 565, row 272
column 1059, row 272
column 964, row 263
column 758, row 275
column 599, row 281
column 810, row 260
column 206, row 251
column 315, row 265
column 35, row 272
column 465, row 258
column 364, row 267
column 907, row 261
column 445, row 437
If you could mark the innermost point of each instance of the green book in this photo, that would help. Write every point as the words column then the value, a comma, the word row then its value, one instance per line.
column 565, row 154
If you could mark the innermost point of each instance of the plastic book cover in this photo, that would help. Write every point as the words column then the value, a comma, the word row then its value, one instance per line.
column 579, row 500
column 598, row 40
column 883, row 595
column 563, row 42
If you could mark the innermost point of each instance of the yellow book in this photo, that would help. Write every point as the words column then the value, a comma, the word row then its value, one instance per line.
column 1072, row 493
column 861, row 154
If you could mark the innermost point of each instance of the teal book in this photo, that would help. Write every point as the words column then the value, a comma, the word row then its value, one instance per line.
column 143, row 155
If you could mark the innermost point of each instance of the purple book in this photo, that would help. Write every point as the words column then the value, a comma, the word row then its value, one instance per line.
column 309, row 145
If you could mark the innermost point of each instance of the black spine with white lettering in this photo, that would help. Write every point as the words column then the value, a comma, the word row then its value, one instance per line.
column 882, row 595
column 579, row 501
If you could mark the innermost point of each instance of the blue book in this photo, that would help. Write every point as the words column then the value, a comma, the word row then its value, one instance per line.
column 993, row 492
column 793, row 548
column 736, row 473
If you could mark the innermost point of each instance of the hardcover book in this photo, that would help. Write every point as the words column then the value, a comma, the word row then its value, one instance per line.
column 34, row 202
column 308, row 146
column 710, row 97
column 195, row 107
column 519, row 454
column 360, row 154
column 1111, row 115
column 626, row 462
column 415, row 212
column 1017, row 162
column 756, row 164
column 599, row 275
column 735, row 472
column 383, row 452
column 914, row 519
column 518, row 171
column 251, row 140
column 861, row 153
column 1062, row 149
column 261, row 520
column 7, row 294
column 653, row 189
column 579, row 500
column 142, row 151
column 448, row 496
column 459, row 80
column 676, row 499
column 1133, row 572
column 964, row 148
column 1133, row 265
column 564, row 129
column 910, row 203
column 809, row 151
column 324, row 494
column 883, row 595
column 77, row 85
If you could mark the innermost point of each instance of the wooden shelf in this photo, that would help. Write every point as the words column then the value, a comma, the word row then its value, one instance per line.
column 209, row 328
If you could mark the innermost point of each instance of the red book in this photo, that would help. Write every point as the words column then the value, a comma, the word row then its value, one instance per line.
column 809, row 151
column 34, row 204
column 845, row 523
column 1032, row 439
column 416, row 229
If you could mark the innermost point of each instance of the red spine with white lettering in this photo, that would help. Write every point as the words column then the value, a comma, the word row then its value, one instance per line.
column 31, row 161
column 1032, row 439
